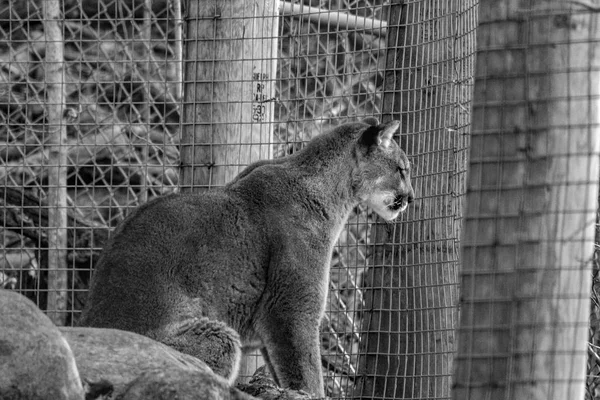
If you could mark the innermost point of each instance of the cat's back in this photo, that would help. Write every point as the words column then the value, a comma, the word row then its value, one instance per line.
column 169, row 249
column 177, row 226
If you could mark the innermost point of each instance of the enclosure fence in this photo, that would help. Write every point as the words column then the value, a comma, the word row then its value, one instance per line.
column 90, row 120
column 531, row 208
column 107, row 104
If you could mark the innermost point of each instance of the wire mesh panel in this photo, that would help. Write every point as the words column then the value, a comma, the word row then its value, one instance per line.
column 134, row 96
column 411, row 286
column 117, row 84
column 229, row 89
column 531, row 208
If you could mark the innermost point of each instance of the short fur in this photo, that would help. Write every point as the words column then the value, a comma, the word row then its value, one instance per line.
column 195, row 270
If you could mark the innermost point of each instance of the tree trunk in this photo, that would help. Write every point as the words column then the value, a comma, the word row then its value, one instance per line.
column 531, row 208
column 411, row 286
column 57, row 162
column 230, row 72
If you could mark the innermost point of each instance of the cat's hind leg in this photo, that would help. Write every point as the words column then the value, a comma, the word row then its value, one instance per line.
column 213, row 342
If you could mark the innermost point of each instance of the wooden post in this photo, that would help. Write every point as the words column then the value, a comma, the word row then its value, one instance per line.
column 531, row 203
column 411, row 285
column 144, row 109
column 178, row 48
column 57, row 162
column 230, row 72
column 229, row 93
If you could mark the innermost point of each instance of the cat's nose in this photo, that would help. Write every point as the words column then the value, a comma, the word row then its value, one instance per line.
column 411, row 196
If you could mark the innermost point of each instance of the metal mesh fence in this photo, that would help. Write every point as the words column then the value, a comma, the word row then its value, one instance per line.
column 389, row 329
column 531, row 203
column 113, row 118
column 411, row 286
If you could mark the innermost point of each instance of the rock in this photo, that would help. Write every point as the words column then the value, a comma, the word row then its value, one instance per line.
column 264, row 387
column 36, row 362
column 118, row 357
column 181, row 385
column 116, row 364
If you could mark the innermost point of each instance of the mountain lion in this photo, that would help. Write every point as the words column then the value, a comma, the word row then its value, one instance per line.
column 249, row 263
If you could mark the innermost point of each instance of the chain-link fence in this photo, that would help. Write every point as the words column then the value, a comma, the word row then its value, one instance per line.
column 129, row 101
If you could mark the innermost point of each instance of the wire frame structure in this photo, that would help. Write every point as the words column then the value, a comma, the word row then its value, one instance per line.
column 126, row 114
column 531, row 207
column 411, row 287
column 89, row 99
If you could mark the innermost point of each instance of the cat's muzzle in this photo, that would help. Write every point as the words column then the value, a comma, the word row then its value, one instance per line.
column 400, row 202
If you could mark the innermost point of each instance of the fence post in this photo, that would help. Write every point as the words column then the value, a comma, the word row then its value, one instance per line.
column 229, row 92
column 57, row 162
column 531, row 204
column 411, row 286
column 229, row 89
column 178, row 47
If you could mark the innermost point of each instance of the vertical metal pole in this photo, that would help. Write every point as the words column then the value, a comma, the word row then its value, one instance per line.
column 57, row 162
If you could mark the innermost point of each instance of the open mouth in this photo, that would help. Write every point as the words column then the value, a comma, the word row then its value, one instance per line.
column 399, row 203
column 388, row 205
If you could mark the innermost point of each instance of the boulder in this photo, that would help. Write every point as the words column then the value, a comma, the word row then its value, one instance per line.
column 118, row 357
column 36, row 361
column 181, row 385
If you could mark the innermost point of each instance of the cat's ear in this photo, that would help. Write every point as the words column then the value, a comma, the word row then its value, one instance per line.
column 380, row 136
column 371, row 121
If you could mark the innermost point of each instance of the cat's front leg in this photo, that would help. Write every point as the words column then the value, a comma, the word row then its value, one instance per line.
column 293, row 352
